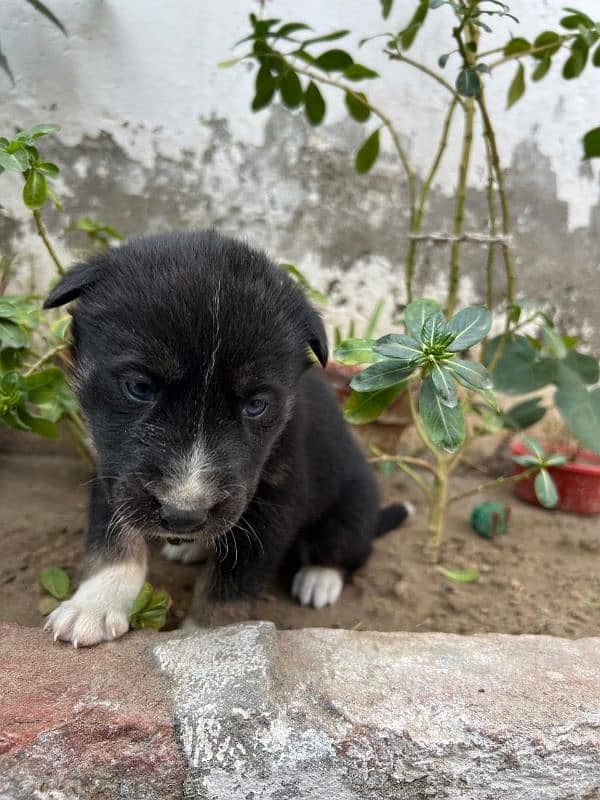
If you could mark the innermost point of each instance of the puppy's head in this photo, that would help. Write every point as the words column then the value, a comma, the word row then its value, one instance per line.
column 188, row 350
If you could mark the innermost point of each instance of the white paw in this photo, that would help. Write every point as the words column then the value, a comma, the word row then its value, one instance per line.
column 186, row 552
column 411, row 509
column 318, row 586
column 86, row 625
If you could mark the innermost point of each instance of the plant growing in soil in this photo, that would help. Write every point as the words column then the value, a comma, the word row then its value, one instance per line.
column 34, row 357
column 149, row 609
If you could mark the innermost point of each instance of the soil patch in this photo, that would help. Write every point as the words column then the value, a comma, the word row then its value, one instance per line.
column 541, row 577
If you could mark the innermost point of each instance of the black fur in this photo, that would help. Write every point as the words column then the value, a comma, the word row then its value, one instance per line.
column 211, row 323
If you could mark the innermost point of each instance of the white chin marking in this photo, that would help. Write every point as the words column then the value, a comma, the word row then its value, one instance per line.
column 99, row 609
column 318, row 586
column 186, row 552
column 411, row 509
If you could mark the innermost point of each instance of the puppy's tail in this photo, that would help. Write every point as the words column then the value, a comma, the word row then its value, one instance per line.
column 393, row 516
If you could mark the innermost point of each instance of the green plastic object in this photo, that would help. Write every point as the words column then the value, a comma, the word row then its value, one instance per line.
column 490, row 519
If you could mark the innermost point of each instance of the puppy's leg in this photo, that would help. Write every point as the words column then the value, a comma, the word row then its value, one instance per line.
column 245, row 562
column 116, row 569
column 335, row 546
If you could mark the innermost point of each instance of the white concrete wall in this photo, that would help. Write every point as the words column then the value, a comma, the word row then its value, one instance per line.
column 145, row 73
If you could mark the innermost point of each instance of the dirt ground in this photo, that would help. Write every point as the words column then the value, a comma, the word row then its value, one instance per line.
column 541, row 577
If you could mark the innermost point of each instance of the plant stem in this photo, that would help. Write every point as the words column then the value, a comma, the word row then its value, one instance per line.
column 459, row 214
column 524, row 54
column 495, row 482
column 493, row 229
column 402, row 463
column 43, row 359
column 420, row 210
column 44, row 236
column 437, row 511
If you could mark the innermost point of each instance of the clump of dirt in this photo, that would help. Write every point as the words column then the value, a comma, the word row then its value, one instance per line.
column 541, row 577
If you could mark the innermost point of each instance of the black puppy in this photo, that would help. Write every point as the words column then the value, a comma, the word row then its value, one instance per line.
column 211, row 428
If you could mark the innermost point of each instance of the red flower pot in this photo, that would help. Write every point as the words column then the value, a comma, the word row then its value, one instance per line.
column 577, row 482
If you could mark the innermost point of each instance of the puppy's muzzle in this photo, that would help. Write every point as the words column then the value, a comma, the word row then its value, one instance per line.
column 183, row 520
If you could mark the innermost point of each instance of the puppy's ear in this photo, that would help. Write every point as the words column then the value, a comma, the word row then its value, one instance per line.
column 317, row 338
column 72, row 285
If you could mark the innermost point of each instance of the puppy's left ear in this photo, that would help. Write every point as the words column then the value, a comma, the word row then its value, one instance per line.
column 317, row 338
column 72, row 285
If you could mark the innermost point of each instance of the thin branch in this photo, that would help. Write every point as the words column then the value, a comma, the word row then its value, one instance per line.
column 493, row 227
column 443, row 238
column 411, row 474
column 43, row 359
column 519, row 476
column 417, row 462
column 518, row 56
column 44, row 236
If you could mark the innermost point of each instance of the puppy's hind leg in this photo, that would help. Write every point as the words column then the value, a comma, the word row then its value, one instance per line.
column 337, row 545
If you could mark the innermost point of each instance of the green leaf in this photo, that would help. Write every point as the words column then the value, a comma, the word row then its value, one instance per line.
column 374, row 319
column 11, row 335
column 14, row 162
column 526, row 461
column 356, row 351
column 553, row 341
column 434, row 329
column 363, row 407
column 549, row 40
column 445, row 426
column 56, row 582
column 585, row 366
column 42, row 385
column 574, row 20
column 580, row 409
column 408, row 35
column 555, row 460
column 357, row 105
column 591, row 144
column 43, row 9
column 415, row 315
column 48, row 168
column 35, row 191
column 545, row 489
column 47, row 605
column 469, row 327
column 458, row 576
column 329, row 37
column 576, row 62
column 443, row 60
column 314, row 105
column 31, row 134
column 291, row 89
column 40, row 425
column 291, row 27
column 142, row 600
column 596, row 58
column 265, row 88
column 471, row 374
column 380, row 376
column 534, row 447
column 541, row 70
column 358, row 72
column 386, row 7
column 524, row 415
column 395, row 345
column 521, row 369
column 334, row 60
column 517, row 45
column 517, row 88
column 367, row 155
column 468, row 83
column 444, row 385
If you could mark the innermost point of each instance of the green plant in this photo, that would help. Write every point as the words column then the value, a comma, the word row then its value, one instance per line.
column 428, row 360
column 149, row 609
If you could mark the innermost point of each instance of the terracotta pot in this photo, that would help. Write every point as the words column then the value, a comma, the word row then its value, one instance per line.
column 577, row 482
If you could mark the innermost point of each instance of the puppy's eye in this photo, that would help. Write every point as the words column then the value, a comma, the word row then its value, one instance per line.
column 140, row 390
column 254, row 407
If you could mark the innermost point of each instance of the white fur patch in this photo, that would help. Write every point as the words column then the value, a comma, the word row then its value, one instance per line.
column 186, row 552
column 411, row 509
column 188, row 480
column 99, row 609
column 318, row 586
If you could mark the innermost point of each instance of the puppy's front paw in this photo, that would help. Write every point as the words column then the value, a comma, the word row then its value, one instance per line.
column 86, row 625
column 186, row 552
column 318, row 586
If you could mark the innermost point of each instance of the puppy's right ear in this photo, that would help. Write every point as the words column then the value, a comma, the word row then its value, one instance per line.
column 72, row 285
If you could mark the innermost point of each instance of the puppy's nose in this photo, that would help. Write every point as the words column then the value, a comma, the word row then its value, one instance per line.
column 183, row 520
